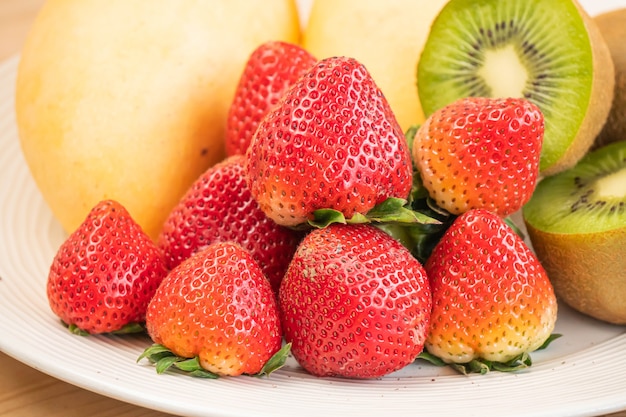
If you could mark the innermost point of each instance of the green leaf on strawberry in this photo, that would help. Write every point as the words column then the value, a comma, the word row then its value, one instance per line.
column 483, row 366
column 276, row 362
column 164, row 359
column 325, row 217
column 396, row 210
column 130, row 328
column 549, row 340
column 392, row 210
column 74, row 329
column 480, row 365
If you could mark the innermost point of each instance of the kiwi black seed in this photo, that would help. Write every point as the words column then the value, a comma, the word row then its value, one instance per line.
column 576, row 222
column 589, row 198
column 547, row 51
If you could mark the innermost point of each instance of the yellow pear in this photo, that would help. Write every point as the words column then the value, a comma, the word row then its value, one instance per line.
column 127, row 99
column 385, row 36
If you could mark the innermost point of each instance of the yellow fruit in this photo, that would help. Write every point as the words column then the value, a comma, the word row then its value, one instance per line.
column 127, row 99
column 385, row 36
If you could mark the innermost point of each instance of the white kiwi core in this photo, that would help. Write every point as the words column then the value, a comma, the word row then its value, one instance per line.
column 612, row 185
column 503, row 72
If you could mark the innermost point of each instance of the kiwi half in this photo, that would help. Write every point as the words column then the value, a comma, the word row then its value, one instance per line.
column 576, row 222
column 548, row 51
column 612, row 25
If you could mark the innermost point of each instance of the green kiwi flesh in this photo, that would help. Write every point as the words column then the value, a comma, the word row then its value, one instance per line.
column 589, row 198
column 576, row 222
column 537, row 49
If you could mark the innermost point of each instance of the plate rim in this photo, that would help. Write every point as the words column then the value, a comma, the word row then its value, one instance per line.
column 30, row 356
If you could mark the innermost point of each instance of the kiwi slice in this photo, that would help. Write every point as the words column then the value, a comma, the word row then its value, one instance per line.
column 576, row 222
column 612, row 25
column 550, row 52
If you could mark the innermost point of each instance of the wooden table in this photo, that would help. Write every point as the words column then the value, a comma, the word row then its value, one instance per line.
column 24, row 391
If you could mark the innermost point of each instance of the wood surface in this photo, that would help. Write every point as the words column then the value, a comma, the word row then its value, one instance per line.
column 24, row 391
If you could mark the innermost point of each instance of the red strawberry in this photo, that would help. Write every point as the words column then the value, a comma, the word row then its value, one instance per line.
column 492, row 300
column 105, row 273
column 218, row 207
column 481, row 153
column 217, row 305
column 332, row 142
column 270, row 70
column 354, row 303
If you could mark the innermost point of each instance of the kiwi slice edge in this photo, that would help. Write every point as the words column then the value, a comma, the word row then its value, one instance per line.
column 588, row 198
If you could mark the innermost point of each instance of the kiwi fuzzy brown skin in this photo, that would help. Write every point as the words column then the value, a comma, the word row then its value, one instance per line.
column 556, row 157
column 576, row 223
column 600, row 102
column 586, row 270
column 612, row 26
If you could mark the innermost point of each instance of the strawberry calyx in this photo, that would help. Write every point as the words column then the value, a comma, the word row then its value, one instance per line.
column 480, row 365
column 483, row 366
column 392, row 210
column 130, row 328
column 164, row 359
column 417, row 222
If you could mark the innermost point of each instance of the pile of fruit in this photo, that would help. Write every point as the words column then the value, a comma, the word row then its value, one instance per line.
column 329, row 231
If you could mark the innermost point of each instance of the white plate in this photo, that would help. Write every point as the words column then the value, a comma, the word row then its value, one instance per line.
column 582, row 373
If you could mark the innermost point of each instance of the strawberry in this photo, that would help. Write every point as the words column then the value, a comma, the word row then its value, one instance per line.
column 269, row 71
column 480, row 153
column 354, row 303
column 331, row 142
column 105, row 273
column 492, row 300
column 217, row 306
column 218, row 207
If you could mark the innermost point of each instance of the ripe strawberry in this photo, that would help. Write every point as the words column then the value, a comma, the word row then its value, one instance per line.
column 481, row 153
column 492, row 300
column 354, row 303
column 218, row 207
column 105, row 273
column 332, row 142
column 217, row 305
column 270, row 70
